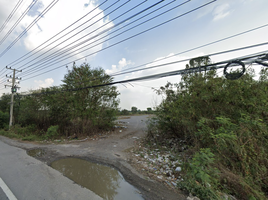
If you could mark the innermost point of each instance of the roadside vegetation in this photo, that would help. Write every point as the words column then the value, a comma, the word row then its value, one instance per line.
column 222, row 126
column 66, row 110
column 216, row 128
column 135, row 111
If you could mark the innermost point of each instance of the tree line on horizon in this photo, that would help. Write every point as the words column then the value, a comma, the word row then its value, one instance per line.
column 135, row 110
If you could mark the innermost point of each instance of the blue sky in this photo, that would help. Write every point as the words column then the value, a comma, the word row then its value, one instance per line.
column 218, row 20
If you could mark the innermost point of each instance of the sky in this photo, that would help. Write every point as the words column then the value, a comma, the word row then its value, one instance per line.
column 123, row 34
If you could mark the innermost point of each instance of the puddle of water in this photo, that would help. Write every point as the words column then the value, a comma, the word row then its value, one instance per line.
column 105, row 181
column 36, row 152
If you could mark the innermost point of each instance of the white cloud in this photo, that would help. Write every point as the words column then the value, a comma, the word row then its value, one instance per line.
column 221, row 12
column 121, row 64
column 142, row 95
column 56, row 19
column 44, row 84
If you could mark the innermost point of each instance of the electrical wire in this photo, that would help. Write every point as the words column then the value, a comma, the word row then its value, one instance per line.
column 51, row 5
column 217, row 65
column 73, row 31
column 10, row 15
column 23, row 32
column 213, row 54
column 80, row 30
column 226, row 38
column 130, row 37
column 60, row 52
column 213, row 66
column 195, row 48
column 54, row 55
column 209, row 55
column 62, row 31
column 72, row 47
column 18, row 21
column 14, row 62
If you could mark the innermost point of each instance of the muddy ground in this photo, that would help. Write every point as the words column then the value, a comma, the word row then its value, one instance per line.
column 112, row 149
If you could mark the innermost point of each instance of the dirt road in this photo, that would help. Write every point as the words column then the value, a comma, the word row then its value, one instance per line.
column 110, row 149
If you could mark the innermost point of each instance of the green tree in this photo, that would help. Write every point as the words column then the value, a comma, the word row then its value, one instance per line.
column 124, row 112
column 198, row 62
column 77, row 106
column 95, row 106
column 134, row 109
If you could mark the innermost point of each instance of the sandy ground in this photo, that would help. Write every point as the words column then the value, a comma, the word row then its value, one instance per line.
column 111, row 149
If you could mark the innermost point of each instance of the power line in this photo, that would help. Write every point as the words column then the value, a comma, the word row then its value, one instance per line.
column 213, row 54
column 10, row 15
column 72, row 47
column 59, row 33
column 18, row 21
column 48, row 57
column 213, row 66
column 67, row 33
column 235, row 35
column 130, row 37
column 56, row 35
column 23, row 32
column 60, row 52
column 195, row 48
column 51, row 5
column 209, row 55
column 85, row 22
column 79, row 31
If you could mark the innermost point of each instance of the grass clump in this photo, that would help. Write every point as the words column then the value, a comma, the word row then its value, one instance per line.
column 28, row 133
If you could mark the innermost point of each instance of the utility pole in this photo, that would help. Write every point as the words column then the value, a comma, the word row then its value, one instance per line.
column 13, row 91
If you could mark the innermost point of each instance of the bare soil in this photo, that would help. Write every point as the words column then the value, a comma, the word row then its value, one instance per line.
column 112, row 149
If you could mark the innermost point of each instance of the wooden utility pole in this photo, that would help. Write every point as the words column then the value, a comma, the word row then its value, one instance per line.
column 13, row 91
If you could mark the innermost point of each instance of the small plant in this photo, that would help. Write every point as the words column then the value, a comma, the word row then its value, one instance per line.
column 30, row 138
column 52, row 132
column 201, row 178
column 9, row 134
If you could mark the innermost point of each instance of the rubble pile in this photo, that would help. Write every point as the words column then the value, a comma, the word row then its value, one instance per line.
column 160, row 164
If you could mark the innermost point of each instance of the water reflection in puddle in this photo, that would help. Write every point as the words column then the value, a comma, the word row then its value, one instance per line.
column 36, row 152
column 105, row 181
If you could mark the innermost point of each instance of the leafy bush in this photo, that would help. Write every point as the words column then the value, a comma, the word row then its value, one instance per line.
column 31, row 138
column 201, row 178
column 227, row 117
column 4, row 119
column 24, row 131
column 9, row 134
column 52, row 132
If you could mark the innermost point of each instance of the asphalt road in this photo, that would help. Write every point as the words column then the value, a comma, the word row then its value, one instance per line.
column 3, row 195
column 30, row 179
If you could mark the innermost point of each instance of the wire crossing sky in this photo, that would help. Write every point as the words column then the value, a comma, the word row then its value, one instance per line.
column 18, row 21
column 10, row 15
column 127, row 38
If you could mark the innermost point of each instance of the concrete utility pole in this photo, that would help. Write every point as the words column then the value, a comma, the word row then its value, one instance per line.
column 13, row 91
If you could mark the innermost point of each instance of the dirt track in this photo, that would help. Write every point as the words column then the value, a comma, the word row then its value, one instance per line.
column 112, row 150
